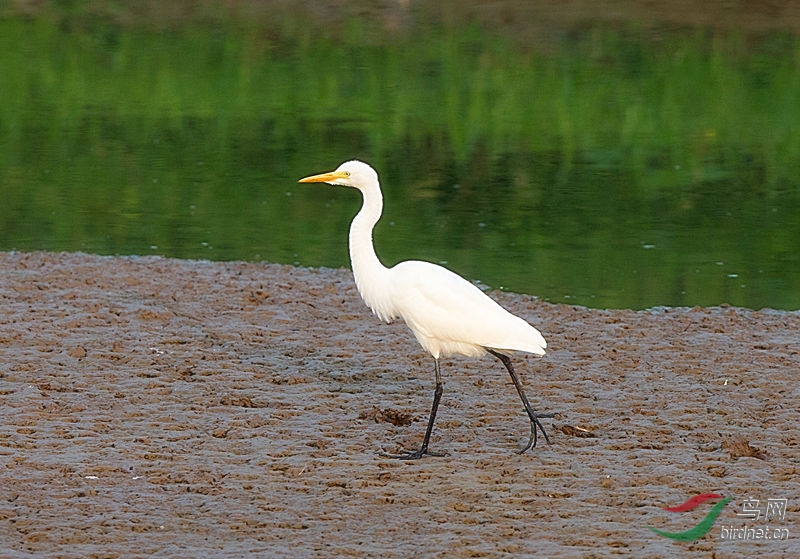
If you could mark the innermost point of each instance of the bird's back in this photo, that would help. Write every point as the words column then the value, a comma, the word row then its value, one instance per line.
column 449, row 315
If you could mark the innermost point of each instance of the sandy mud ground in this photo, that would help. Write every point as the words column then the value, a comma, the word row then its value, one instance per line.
column 166, row 408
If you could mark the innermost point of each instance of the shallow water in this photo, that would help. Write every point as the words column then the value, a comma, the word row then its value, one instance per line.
column 607, row 164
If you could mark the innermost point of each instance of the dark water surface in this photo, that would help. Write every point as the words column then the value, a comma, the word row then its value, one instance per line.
column 606, row 165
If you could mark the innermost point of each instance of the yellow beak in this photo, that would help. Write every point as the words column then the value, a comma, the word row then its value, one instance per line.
column 325, row 177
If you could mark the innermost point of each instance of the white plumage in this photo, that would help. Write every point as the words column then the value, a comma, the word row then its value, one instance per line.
column 450, row 315
column 447, row 314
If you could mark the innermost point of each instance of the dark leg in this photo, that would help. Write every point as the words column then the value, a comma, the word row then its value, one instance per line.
column 534, row 417
column 437, row 395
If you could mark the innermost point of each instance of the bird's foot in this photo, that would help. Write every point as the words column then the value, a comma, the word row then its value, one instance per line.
column 412, row 454
column 536, row 424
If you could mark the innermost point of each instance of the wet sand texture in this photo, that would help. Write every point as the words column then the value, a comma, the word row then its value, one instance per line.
column 156, row 407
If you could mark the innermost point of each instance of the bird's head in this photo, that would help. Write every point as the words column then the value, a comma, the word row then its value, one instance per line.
column 356, row 174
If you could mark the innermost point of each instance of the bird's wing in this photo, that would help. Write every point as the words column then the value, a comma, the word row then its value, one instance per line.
column 445, row 309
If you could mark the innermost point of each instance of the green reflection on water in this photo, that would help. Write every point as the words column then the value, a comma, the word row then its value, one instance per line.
column 605, row 168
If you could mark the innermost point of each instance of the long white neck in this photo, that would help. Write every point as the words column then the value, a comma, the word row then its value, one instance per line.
column 372, row 277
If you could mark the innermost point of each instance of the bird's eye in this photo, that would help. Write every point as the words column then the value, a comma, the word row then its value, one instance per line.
column 347, row 174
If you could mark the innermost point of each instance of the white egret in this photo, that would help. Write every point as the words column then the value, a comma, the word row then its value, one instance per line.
column 447, row 314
